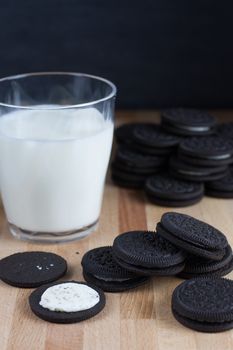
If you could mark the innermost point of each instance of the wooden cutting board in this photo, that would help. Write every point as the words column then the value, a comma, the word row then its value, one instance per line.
column 139, row 319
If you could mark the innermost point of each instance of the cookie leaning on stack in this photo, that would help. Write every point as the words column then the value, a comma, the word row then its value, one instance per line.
column 100, row 268
column 192, row 235
column 208, row 251
column 147, row 253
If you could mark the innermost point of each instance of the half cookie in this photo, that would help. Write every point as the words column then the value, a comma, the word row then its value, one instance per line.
column 32, row 269
column 67, row 302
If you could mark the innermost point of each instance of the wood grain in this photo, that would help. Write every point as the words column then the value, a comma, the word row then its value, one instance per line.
column 133, row 320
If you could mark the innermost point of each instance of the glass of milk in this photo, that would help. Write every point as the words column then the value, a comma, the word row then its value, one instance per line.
column 56, row 133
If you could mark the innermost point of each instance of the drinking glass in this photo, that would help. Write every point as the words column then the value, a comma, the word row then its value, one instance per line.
column 56, row 133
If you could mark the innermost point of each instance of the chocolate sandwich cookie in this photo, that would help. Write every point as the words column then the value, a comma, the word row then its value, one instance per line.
column 147, row 253
column 204, row 304
column 162, row 152
column 124, row 133
column 102, row 270
column 150, row 271
column 153, row 139
column 203, row 162
column 165, row 190
column 67, row 302
column 211, row 150
column 196, row 266
column 116, row 165
column 192, row 235
column 185, row 171
column 132, row 158
column 128, row 180
column 173, row 203
column 222, row 188
column 223, row 271
column 128, row 176
column 32, row 269
column 188, row 122
column 218, row 194
column 131, row 168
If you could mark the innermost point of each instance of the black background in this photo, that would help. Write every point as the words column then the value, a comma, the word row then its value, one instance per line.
column 159, row 53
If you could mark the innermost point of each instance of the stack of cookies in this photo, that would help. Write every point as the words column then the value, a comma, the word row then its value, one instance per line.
column 202, row 158
column 134, row 257
column 177, row 162
column 208, row 251
column 222, row 188
column 131, row 169
column 144, row 149
column 181, row 246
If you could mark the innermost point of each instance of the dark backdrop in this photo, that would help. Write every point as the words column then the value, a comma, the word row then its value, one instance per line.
column 160, row 53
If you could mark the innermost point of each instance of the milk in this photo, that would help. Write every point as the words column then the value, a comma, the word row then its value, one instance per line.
column 52, row 167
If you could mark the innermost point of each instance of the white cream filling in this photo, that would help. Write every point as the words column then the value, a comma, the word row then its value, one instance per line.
column 69, row 297
column 193, row 128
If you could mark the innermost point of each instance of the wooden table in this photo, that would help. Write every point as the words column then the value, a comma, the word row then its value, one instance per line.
column 139, row 319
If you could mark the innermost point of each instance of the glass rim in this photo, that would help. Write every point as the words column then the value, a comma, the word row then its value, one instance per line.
column 78, row 105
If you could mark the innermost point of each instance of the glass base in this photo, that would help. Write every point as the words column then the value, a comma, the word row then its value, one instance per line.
column 52, row 237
